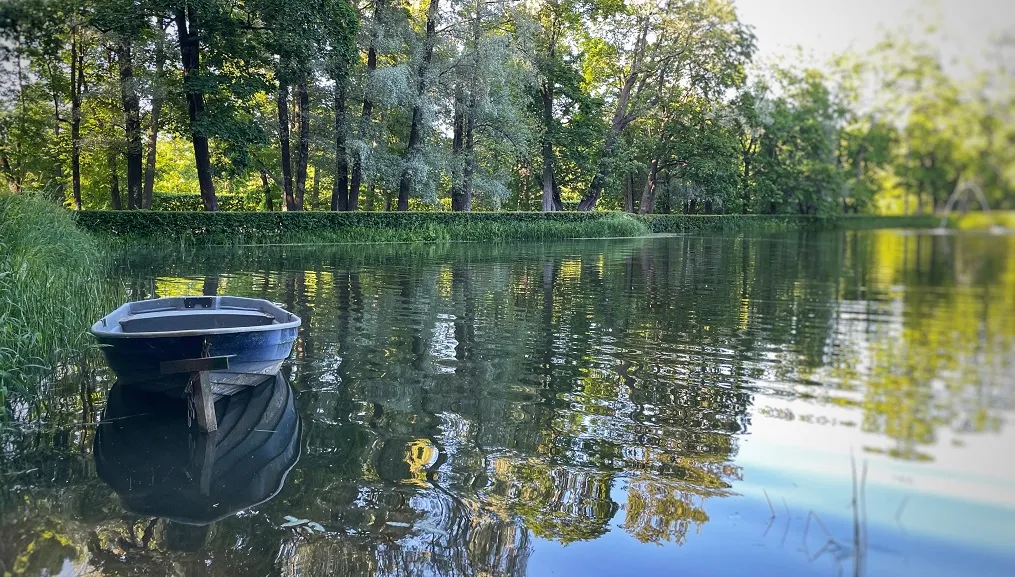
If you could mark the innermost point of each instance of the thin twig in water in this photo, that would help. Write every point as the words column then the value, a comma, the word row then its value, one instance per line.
column 771, row 520
column 789, row 519
column 863, row 506
column 857, row 529
column 898, row 513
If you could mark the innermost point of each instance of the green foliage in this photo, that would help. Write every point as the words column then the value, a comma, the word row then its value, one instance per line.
column 644, row 105
column 192, row 202
column 341, row 227
column 681, row 223
column 438, row 226
column 51, row 289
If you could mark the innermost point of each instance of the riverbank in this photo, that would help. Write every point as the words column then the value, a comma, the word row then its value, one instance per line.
column 53, row 263
column 234, row 228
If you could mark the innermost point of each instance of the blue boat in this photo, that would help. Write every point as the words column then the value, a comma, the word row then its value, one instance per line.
column 150, row 344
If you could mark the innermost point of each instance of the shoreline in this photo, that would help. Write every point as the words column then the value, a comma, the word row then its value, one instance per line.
column 369, row 228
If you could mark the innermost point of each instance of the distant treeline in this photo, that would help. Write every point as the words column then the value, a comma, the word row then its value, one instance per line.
column 652, row 107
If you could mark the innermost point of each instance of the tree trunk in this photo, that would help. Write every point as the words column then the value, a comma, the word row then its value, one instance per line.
column 148, row 190
column 268, row 205
column 76, row 83
column 190, row 54
column 282, row 102
column 747, row 152
column 622, row 116
column 131, row 123
column 457, row 160
column 368, row 106
column 471, row 112
column 547, row 148
column 648, row 194
column 412, row 150
column 12, row 180
column 558, row 205
column 315, row 194
column 303, row 159
column 588, row 202
column 340, row 188
column 629, row 192
column 470, row 153
column 371, row 203
column 114, row 180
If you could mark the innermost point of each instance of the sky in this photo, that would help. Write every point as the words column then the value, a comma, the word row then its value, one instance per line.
column 825, row 27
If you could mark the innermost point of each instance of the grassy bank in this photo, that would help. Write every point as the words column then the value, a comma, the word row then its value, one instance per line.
column 680, row 223
column 49, row 291
column 984, row 221
column 233, row 228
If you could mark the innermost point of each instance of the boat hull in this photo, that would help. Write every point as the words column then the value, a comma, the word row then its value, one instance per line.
column 137, row 362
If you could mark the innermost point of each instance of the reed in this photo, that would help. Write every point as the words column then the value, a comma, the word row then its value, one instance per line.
column 51, row 289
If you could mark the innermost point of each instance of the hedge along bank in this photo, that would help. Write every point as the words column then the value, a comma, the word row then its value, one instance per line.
column 341, row 227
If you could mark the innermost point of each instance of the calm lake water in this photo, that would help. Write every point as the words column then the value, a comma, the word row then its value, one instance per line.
column 699, row 405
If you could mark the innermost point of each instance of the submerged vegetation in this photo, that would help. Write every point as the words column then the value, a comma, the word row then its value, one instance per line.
column 51, row 289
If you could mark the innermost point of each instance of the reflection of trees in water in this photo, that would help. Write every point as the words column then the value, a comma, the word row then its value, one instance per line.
column 486, row 546
column 927, row 336
column 468, row 395
column 658, row 511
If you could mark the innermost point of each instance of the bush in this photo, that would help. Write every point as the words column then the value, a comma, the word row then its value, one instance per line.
column 343, row 227
column 193, row 202
column 322, row 227
column 681, row 223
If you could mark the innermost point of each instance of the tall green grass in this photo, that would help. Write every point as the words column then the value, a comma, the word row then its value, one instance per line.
column 51, row 290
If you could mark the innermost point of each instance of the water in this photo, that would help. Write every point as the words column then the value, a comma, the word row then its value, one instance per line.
column 700, row 405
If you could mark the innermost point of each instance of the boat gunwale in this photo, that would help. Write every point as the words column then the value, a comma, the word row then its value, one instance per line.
column 112, row 320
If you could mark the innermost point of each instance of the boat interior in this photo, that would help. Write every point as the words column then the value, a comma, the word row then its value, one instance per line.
column 191, row 314
column 193, row 320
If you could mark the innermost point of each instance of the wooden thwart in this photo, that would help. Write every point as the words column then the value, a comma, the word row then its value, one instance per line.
column 194, row 365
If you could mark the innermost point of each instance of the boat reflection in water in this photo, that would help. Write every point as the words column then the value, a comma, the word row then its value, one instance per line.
column 160, row 466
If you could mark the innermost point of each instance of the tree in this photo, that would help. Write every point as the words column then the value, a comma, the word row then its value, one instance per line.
column 696, row 47
column 412, row 149
column 189, row 31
